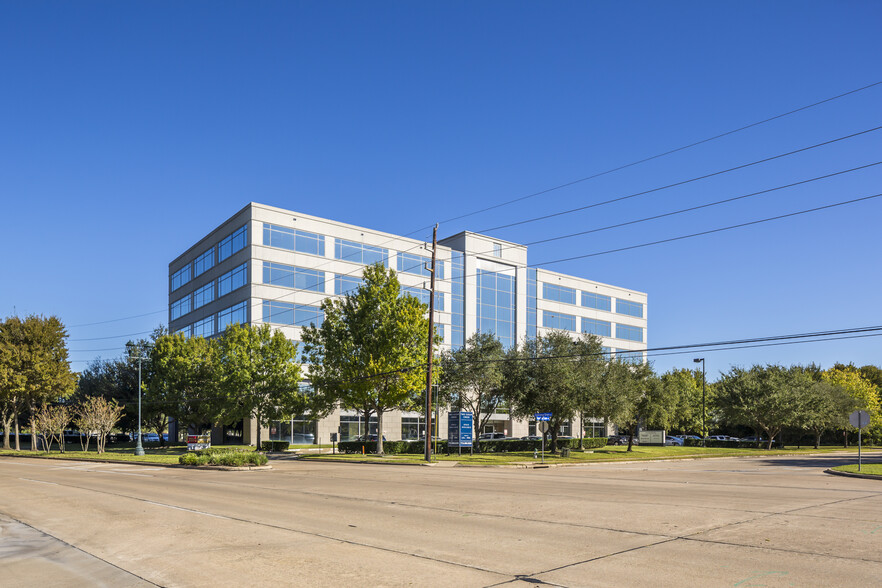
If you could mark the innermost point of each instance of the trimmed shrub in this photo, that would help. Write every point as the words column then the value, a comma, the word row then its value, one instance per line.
column 390, row 447
column 223, row 457
column 495, row 445
column 733, row 444
column 274, row 446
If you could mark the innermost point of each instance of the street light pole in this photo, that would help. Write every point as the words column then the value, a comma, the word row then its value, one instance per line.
column 139, row 449
column 703, row 380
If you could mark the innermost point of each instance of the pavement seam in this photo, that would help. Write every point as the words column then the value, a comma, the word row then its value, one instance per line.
column 288, row 529
column 80, row 549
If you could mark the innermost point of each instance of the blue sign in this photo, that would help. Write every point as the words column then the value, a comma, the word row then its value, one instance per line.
column 459, row 429
column 543, row 416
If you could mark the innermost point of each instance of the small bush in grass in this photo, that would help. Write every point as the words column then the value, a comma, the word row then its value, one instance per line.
column 274, row 446
column 235, row 457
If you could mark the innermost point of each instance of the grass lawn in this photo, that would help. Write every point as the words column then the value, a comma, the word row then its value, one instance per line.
column 609, row 453
column 152, row 455
column 873, row 469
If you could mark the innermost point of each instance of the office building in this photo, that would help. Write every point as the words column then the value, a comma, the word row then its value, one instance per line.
column 270, row 265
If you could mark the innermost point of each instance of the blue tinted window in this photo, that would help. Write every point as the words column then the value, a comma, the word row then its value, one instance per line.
column 180, row 277
column 595, row 327
column 558, row 320
column 346, row 284
column 203, row 295
column 629, row 308
column 309, row 243
column 360, row 253
column 629, row 356
column 496, row 306
column 204, row 262
column 278, row 274
column 280, row 313
column 532, row 287
column 204, row 328
column 238, row 313
column 558, row 293
column 629, row 332
column 276, row 236
column 232, row 280
column 232, row 244
column 457, row 310
column 423, row 296
column 419, row 265
column 598, row 301
column 607, row 351
column 180, row 307
column 307, row 279
column 185, row 331
column 308, row 315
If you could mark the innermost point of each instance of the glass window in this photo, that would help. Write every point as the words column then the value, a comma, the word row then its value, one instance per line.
column 629, row 308
column 311, row 243
column 232, row 280
column 204, row 262
column 180, row 307
column 419, row 265
column 204, row 328
column 531, row 303
column 598, row 301
column 497, row 250
column 423, row 296
column 233, row 243
column 353, row 426
column 412, row 428
column 629, row 356
column 278, row 274
column 558, row 320
column 344, row 284
column 360, row 253
column 457, row 310
column 308, row 315
column 180, row 277
column 276, row 236
column 629, row 332
column 558, row 293
column 496, row 306
column 307, row 279
column 203, row 295
column 185, row 331
column 595, row 327
column 238, row 313
column 280, row 313
column 606, row 351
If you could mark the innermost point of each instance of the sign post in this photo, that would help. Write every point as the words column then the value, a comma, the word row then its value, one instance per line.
column 542, row 419
column 460, row 428
column 859, row 419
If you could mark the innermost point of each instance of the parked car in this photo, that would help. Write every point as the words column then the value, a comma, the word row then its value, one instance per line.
column 674, row 440
column 492, row 436
column 369, row 438
column 148, row 438
column 723, row 438
column 307, row 439
column 532, row 438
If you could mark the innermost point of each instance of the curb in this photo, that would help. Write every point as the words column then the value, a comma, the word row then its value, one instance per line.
column 853, row 475
column 142, row 463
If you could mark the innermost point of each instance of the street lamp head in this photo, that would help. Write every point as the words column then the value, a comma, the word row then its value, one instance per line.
column 698, row 359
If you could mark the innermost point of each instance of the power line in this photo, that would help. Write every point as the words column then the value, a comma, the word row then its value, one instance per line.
column 675, row 184
column 657, row 156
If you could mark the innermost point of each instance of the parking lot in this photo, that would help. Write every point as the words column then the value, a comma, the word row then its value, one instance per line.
column 777, row 521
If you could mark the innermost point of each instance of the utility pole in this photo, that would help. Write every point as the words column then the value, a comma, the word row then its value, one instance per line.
column 431, row 337
column 703, row 380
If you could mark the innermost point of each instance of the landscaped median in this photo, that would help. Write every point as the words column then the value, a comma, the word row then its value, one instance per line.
column 232, row 457
column 153, row 455
column 868, row 470
column 606, row 453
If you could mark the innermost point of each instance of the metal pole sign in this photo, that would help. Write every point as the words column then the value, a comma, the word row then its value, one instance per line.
column 543, row 428
column 460, row 429
column 859, row 419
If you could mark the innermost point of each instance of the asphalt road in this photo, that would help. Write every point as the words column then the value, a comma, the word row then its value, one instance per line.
column 715, row 522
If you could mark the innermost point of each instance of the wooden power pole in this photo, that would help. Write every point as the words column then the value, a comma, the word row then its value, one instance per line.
column 430, row 353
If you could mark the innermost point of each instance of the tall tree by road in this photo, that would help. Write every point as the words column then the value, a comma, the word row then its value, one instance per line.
column 370, row 349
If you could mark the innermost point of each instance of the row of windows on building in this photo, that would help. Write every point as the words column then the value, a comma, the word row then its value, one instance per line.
column 228, row 282
column 299, row 278
column 314, row 244
column 302, row 429
column 567, row 295
column 218, row 322
column 568, row 322
column 229, row 245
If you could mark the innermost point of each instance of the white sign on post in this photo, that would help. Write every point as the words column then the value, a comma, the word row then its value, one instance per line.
column 859, row 419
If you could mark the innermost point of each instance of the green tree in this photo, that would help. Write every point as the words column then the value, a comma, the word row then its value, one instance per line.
column 823, row 407
column 866, row 395
column 685, row 386
column 182, row 383
column 259, row 375
column 370, row 350
column 37, row 368
column 545, row 374
column 634, row 396
column 471, row 377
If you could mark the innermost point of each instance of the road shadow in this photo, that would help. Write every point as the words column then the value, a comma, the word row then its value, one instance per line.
column 821, row 461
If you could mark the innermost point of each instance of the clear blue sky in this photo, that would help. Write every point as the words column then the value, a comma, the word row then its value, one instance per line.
column 128, row 130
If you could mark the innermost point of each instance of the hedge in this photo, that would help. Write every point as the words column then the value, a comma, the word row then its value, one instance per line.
column 733, row 444
column 274, row 445
column 223, row 457
column 488, row 446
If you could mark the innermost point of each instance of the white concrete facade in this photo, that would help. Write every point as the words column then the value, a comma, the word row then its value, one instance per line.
column 286, row 263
